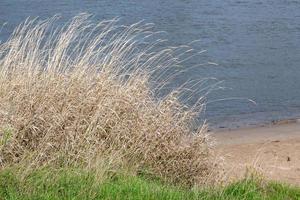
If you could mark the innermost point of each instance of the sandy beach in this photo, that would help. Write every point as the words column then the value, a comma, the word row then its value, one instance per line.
column 274, row 151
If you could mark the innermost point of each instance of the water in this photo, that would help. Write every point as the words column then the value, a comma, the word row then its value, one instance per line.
column 255, row 42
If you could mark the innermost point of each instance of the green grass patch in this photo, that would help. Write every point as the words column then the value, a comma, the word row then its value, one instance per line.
column 76, row 184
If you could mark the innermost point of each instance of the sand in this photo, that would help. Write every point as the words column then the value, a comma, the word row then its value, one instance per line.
column 273, row 151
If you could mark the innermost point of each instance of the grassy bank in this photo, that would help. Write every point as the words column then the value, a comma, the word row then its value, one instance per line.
column 95, row 95
column 78, row 184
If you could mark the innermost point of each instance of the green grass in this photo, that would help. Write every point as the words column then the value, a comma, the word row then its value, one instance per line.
column 76, row 184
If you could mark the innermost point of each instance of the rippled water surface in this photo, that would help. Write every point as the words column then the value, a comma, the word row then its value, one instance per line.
column 255, row 42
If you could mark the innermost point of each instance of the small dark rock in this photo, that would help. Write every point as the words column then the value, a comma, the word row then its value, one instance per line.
column 276, row 141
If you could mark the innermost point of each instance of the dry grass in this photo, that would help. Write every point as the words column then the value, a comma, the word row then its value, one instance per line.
column 83, row 95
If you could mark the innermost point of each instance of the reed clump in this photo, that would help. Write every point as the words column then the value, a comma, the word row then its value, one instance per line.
column 83, row 94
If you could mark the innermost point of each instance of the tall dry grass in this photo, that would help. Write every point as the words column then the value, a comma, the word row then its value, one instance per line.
column 83, row 94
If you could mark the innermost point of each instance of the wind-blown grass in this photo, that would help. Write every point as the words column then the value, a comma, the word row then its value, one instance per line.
column 83, row 95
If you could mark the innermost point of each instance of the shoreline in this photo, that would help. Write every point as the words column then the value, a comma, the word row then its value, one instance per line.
column 273, row 151
column 283, row 130
column 232, row 126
